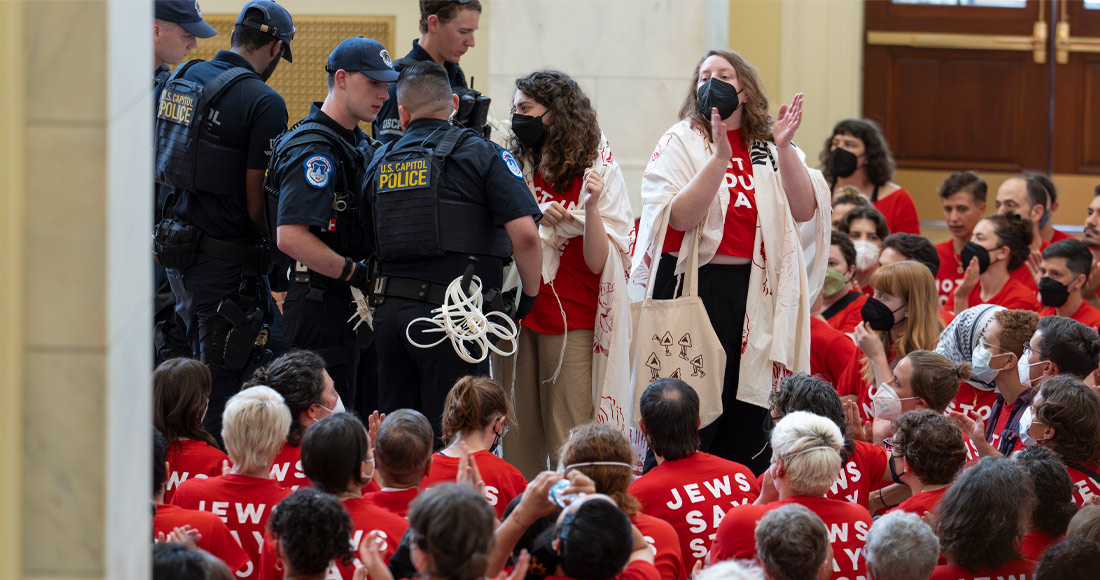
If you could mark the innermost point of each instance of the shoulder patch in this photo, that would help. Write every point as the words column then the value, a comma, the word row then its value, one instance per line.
column 318, row 170
column 511, row 162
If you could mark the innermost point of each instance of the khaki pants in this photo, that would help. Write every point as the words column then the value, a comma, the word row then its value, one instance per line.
column 545, row 412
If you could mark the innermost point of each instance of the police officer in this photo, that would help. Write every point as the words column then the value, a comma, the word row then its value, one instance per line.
column 446, row 32
column 220, row 287
column 318, row 169
column 437, row 196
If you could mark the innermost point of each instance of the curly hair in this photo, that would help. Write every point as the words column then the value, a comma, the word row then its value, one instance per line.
column 982, row 515
column 1073, row 411
column 1017, row 327
column 932, row 445
column 1015, row 232
column 472, row 404
column 882, row 230
column 572, row 134
column 802, row 392
column 1054, row 506
column 880, row 163
column 1072, row 559
column 181, row 391
column 847, row 248
column 313, row 529
column 299, row 376
column 453, row 524
column 602, row 442
column 756, row 121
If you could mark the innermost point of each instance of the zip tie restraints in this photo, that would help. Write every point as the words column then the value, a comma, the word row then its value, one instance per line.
column 461, row 320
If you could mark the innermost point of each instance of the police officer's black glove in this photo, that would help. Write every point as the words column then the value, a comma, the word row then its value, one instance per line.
column 524, row 307
column 360, row 277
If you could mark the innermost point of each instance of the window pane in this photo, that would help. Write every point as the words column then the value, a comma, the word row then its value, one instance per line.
column 1092, row 4
column 983, row 3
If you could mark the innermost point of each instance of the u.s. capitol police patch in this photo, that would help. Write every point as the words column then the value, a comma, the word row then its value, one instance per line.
column 318, row 171
column 512, row 164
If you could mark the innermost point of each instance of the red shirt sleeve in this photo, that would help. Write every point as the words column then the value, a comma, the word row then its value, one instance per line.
column 269, row 563
column 639, row 570
column 900, row 212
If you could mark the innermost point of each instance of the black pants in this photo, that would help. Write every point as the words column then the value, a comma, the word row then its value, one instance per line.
column 738, row 434
column 410, row 377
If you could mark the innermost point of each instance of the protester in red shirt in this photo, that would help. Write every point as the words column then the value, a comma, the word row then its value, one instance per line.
column 1028, row 195
column 403, row 457
column 310, row 394
column 309, row 530
column 830, row 350
column 181, row 391
column 863, row 463
column 1072, row 559
column 841, row 299
column 586, row 223
column 867, row 229
column 963, row 197
column 605, row 455
column 254, row 427
column 792, row 542
column 689, row 489
column 213, row 535
column 1000, row 244
column 596, row 541
column 901, row 545
column 926, row 452
column 1054, row 505
column 805, row 460
column 1065, row 272
column 475, row 413
column 1065, row 418
column 900, row 247
column 982, row 520
column 1091, row 237
column 900, row 318
column 856, row 154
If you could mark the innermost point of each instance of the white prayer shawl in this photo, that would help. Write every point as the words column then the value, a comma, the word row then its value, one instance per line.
column 782, row 285
column 611, row 336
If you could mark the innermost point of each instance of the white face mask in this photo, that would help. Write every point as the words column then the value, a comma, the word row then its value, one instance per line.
column 866, row 255
column 1024, row 368
column 338, row 408
column 979, row 360
column 1026, row 419
column 887, row 403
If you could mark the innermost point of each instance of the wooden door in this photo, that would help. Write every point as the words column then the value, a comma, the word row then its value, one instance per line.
column 1076, row 98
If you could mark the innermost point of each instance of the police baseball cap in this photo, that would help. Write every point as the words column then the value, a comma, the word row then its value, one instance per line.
column 364, row 55
column 275, row 21
column 187, row 14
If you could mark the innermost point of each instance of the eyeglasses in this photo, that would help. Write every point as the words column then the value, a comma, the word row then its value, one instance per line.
column 988, row 346
column 889, row 444
column 1042, row 355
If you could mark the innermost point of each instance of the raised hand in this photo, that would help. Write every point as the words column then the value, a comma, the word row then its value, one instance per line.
column 790, row 118
column 722, row 148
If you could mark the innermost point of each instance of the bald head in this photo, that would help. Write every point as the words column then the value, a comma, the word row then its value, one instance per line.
column 423, row 92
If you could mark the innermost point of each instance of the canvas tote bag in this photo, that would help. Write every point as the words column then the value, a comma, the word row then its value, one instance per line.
column 674, row 338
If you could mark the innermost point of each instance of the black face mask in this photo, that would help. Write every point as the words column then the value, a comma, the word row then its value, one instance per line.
column 878, row 315
column 1052, row 292
column 769, row 423
column 972, row 250
column 718, row 94
column 844, row 162
column 529, row 130
column 893, row 470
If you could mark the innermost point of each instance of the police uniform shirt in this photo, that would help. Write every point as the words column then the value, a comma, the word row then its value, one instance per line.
column 308, row 175
column 480, row 172
column 248, row 117
column 387, row 126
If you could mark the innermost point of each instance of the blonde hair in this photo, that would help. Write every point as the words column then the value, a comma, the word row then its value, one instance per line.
column 254, row 427
column 913, row 282
column 809, row 446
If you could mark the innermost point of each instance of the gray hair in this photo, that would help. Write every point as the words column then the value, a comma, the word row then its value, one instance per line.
column 900, row 546
column 731, row 570
column 792, row 543
column 809, row 447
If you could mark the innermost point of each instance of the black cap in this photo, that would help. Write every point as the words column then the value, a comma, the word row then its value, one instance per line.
column 187, row 14
column 364, row 55
column 276, row 22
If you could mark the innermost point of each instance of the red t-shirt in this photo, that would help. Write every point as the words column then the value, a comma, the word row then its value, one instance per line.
column 191, row 460
column 950, row 274
column 215, row 539
column 287, row 469
column 945, row 315
column 502, row 481
column 847, row 523
column 636, row 570
column 900, row 212
column 926, row 501
column 394, row 501
column 1084, row 485
column 852, row 383
column 662, row 537
column 1013, row 570
column 693, row 494
column 971, row 399
column 1023, row 275
column 847, row 319
column 1001, row 421
column 861, row 475
column 243, row 503
column 740, row 228
column 1014, row 296
column 1059, row 235
column 830, row 350
column 1035, row 543
column 1087, row 314
column 576, row 286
